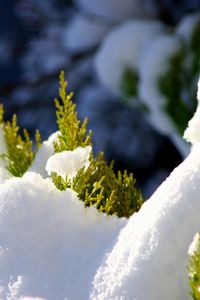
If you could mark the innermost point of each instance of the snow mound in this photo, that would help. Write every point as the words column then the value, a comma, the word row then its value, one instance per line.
column 150, row 257
column 50, row 245
column 123, row 49
column 68, row 163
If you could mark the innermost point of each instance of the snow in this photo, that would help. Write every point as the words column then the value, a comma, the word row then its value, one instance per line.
column 83, row 33
column 116, row 10
column 155, row 241
column 186, row 26
column 192, row 133
column 154, row 64
column 194, row 245
column 45, row 151
column 123, row 48
column 50, row 245
column 68, row 163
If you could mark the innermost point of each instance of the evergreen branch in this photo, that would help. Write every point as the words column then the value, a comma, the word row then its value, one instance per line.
column 98, row 184
column 194, row 272
column 20, row 153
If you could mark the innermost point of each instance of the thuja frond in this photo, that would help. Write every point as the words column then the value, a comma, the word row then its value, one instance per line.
column 194, row 272
column 20, row 153
column 73, row 133
column 171, row 86
column 98, row 184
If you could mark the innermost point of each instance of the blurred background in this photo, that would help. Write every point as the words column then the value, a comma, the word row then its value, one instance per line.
column 95, row 41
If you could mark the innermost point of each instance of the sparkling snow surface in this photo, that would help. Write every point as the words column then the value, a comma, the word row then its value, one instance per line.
column 68, row 163
column 150, row 257
column 50, row 245
column 53, row 248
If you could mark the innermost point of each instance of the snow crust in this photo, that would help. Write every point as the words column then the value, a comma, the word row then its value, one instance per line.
column 123, row 48
column 50, row 245
column 68, row 163
column 150, row 257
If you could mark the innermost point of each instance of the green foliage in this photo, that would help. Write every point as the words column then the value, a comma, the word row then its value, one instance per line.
column 195, row 48
column 171, row 85
column 97, row 185
column 20, row 153
column 73, row 133
column 194, row 273
column 129, row 84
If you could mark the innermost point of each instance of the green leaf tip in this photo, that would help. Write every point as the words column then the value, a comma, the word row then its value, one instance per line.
column 19, row 147
column 194, row 269
column 73, row 133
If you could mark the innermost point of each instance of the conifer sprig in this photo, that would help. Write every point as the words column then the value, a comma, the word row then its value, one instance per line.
column 19, row 153
column 97, row 185
column 73, row 133
column 194, row 271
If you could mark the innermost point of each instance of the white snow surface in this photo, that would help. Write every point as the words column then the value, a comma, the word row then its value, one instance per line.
column 68, row 163
column 50, row 245
column 194, row 245
column 150, row 257
column 117, row 10
column 45, row 151
column 83, row 33
column 123, row 48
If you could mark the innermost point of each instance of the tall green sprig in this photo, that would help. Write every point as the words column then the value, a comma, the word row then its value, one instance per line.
column 194, row 271
column 73, row 133
column 97, row 185
column 19, row 147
